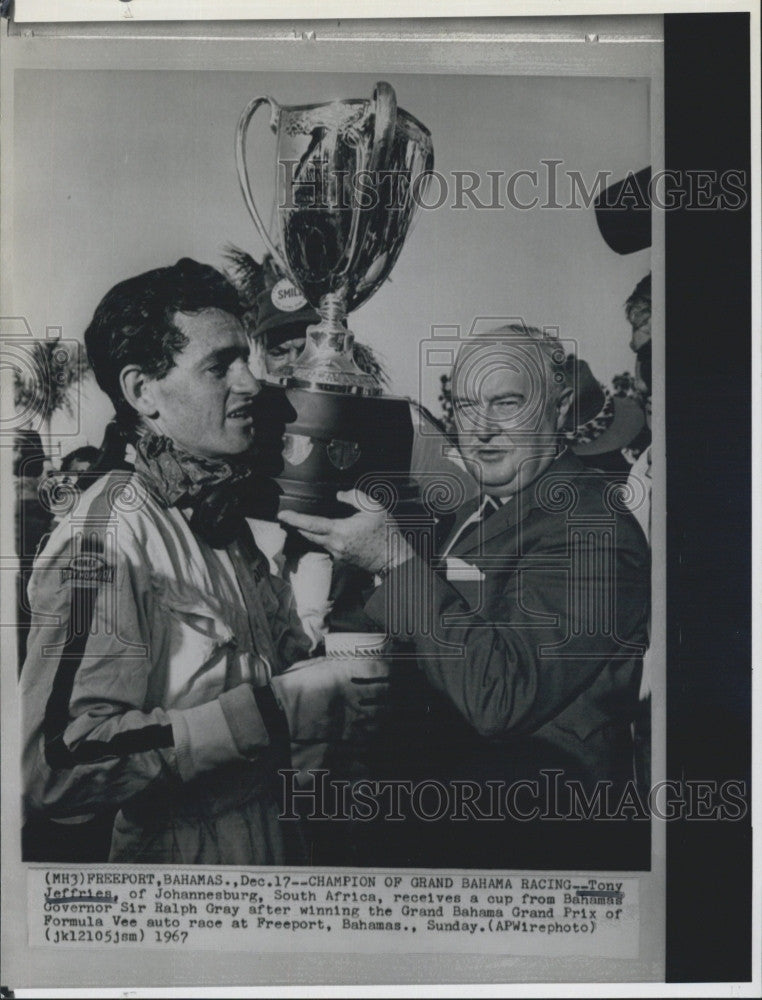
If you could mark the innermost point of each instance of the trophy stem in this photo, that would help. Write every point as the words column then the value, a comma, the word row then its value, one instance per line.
column 327, row 360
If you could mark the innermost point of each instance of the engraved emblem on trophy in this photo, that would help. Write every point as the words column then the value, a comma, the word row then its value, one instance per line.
column 350, row 177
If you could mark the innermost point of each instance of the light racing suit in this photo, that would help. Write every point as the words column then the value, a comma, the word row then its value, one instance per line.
column 144, row 686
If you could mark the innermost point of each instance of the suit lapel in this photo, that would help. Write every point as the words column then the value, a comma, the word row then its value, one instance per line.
column 466, row 511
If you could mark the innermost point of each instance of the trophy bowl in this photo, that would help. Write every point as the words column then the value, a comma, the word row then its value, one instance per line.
column 350, row 176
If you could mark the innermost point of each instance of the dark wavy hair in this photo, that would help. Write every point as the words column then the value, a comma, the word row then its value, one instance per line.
column 134, row 324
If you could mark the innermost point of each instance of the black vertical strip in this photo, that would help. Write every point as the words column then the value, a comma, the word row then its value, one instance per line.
column 708, row 336
column 82, row 606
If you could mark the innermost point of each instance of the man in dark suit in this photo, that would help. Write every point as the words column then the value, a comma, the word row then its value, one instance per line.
column 528, row 628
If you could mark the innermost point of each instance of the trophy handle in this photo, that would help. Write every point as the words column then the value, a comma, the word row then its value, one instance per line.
column 385, row 117
column 243, row 174
column 426, row 174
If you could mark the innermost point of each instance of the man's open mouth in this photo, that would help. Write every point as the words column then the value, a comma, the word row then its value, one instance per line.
column 243, row 412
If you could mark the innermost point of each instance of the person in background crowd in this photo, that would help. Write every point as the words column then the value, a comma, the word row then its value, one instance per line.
column 72, row 477
column 276, row 317
column 76, row 462
column 32, row 523
column 524, row 679
column 638, row 311
column 156, row 678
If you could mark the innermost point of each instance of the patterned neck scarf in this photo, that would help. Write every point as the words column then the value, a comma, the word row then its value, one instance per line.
column 220, row 492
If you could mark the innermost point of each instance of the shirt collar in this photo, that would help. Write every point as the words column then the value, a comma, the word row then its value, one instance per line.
column 496, row 502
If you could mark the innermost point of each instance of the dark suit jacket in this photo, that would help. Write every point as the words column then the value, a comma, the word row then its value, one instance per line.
column 531, row 651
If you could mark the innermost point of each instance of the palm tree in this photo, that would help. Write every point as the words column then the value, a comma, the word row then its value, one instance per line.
column 44, row 384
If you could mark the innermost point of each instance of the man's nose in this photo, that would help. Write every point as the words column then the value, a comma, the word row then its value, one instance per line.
column 486, row 426
column 244, row 380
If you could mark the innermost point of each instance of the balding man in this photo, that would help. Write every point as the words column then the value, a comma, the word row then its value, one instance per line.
column 538, row 605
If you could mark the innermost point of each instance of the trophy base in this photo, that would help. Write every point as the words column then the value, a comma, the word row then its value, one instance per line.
column 338, row 441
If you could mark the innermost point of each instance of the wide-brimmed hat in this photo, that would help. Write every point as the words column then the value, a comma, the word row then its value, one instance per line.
column 597, row 421
column 623, row 213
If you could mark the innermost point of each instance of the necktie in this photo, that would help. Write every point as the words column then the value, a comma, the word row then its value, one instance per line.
column 486, row 509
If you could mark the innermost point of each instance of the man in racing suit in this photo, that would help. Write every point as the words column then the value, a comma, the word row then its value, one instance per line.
column 156, row 679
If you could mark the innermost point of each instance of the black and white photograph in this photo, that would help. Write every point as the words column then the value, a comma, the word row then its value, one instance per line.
column 336, row 531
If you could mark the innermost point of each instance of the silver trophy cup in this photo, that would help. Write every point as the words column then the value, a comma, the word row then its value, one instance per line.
column 350, row 176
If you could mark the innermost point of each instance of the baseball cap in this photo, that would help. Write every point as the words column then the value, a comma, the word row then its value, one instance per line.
column 282, row 309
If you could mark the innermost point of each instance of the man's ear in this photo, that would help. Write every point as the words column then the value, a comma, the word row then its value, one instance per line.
column 563, row 404
column 138, row 389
